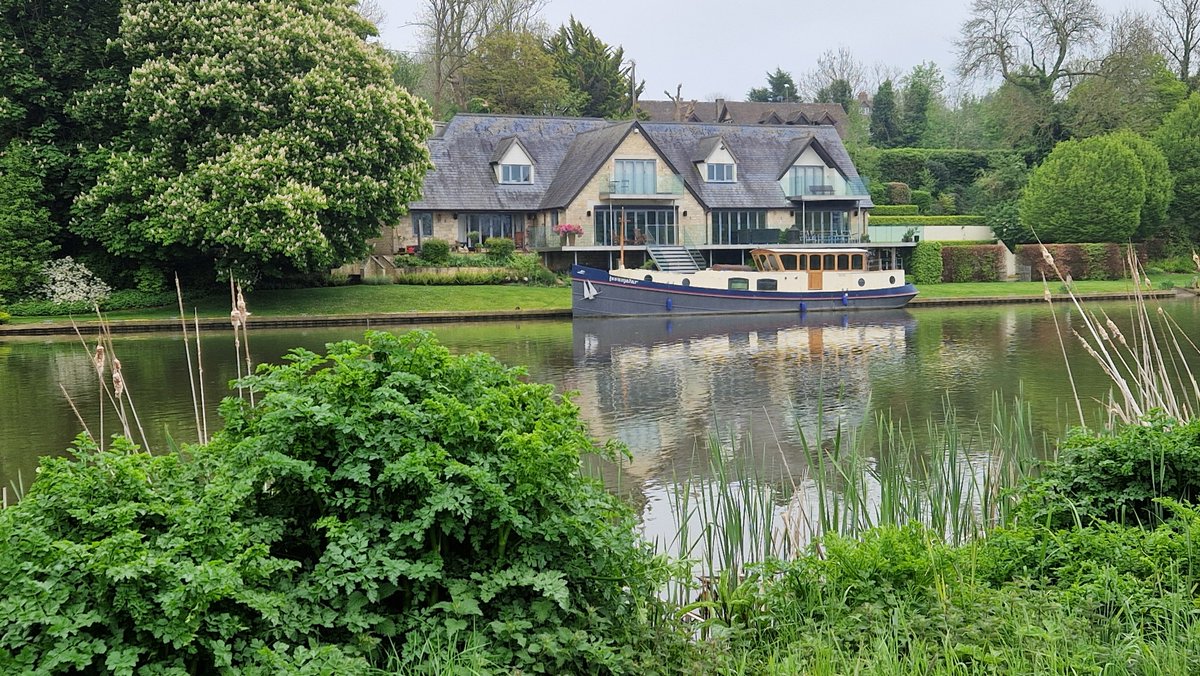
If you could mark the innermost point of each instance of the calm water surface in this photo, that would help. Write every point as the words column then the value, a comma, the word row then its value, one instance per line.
column 663, row 386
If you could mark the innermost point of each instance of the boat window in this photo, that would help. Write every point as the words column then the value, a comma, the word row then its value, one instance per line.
column 814, row 262
column 843, row 261
column 768, row 285
column 803, row 262
column 856, row 262
column 789, row 262
column 739, row 284
column 773, row 260
column 828, row 262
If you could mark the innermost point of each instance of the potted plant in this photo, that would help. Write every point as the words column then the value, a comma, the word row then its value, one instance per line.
column 567, row 232
column 473, row 240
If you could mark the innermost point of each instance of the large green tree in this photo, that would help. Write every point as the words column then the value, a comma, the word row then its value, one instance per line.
column 885, row 119
column 1179, row 140
column 1086, row 191
column 25, row 225
column 1160, row 185
column 265, row 137
column 511, row 72
column 594, row 69
column 780, row 87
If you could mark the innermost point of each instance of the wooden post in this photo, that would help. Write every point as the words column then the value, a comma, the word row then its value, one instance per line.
column 621, row 240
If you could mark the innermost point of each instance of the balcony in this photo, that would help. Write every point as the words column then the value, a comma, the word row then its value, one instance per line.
column 613, row 187
column 801, row 191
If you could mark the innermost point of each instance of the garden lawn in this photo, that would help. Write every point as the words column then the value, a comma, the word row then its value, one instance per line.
column 1035, row 289
column 360, row 299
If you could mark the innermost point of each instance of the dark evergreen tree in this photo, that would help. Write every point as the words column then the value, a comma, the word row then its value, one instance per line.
column 780, row 87
column 593, row 68
column 885, row 122
column 837, row 91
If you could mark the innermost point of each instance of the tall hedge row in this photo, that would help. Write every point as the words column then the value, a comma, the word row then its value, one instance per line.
column 976, row 263
column 949, row 167
column 957, row 219
column 1081, row 261
column 926, row 266
column 895, row 210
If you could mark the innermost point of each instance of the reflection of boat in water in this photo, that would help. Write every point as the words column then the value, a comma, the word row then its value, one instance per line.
column 595, row 339
column 782, row 280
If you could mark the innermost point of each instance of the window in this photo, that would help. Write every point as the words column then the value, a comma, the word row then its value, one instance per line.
column 828, row 262
column 807, row 181
column 643, row 225
column 516, row 173
column 422, row 224
column 789, row 262
column 490, row 225
column 720, row 173
column 726, row 224
column 843, row 262
column 857, row 262
column 768, row 285
column 823, row 226
column 634, row 177
column 739, row 284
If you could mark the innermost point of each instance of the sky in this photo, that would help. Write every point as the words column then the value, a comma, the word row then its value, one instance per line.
column 722, row 48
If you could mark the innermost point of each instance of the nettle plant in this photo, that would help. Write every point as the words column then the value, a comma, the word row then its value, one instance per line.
column 387, row 489
column 69, row 281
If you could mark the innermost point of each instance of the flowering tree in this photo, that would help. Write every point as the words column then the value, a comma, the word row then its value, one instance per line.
column 264, row 136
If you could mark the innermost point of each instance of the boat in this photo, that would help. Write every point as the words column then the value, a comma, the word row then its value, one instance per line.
column 781, row 280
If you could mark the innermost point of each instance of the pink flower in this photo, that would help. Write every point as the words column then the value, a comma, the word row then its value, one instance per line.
column 568, row 229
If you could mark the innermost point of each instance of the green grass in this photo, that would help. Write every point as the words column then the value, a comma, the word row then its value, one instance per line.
column 1035, row 289
column 344, row 300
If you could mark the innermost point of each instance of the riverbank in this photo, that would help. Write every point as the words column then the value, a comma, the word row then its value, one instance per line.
column 393, row 305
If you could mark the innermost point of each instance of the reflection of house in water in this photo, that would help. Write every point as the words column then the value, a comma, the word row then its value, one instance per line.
column 664, row 385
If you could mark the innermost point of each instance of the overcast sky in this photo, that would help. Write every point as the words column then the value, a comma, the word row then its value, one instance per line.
column 725, row 47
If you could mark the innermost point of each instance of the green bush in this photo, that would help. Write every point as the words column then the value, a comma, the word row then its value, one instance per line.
column 898, row 193
column 949, row 167
column 378, row 280
column 528, row 268
column 923, row 199
column 927, row 263
column 957, row 219
column 500, row 248
column 894, row 210
column 5, row 317
column 384, row 491
column 435, row 251
column 125, row 299
column 972, row 263
column 1080, row 261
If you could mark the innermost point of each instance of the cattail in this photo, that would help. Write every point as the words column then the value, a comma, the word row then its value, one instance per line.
column 241, row 306
column 1112, row 328
column 1046, row 294
column 1146, row 282
column 98, row 359
column 1047, row 257
column 235, row 318
column 117, row 379
column 1069, row 280
column 1196, row 259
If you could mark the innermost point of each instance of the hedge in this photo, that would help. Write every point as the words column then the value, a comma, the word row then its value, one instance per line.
column 898, row 193
column 950, row 167
column 928, row 220
column 974, row 263
column 926, row 266
column 126, row 299
column 1080, row 261
column 894, row 210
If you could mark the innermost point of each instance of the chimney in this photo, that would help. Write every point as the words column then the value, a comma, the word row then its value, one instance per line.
column 720, row 104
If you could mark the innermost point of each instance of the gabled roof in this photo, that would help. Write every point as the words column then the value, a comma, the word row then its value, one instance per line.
column 771, row 117
column 705, row 148
column 505, row 144
column 746, row 112
column 796, row 148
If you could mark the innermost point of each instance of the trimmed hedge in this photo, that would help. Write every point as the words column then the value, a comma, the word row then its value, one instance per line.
column 127, row 299
column 973, row 263
column 1081, row 261
column 957, row 219
column 898, row 193
column 436, row 251
column 927, row 263
column 950, row 167
column 894, row 210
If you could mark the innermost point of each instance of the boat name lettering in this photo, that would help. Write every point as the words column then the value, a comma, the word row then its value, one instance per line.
column 623, row 280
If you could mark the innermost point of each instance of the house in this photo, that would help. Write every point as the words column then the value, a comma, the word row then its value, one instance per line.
column 746, row 112
column 716, row 189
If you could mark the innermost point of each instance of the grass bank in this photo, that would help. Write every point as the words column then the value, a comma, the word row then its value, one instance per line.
column 1035, row 289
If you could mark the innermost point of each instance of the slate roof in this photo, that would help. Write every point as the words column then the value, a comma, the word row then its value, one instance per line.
column 570, row 151
column 748, row 112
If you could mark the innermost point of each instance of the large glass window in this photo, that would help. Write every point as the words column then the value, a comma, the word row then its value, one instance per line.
column 515, row 173
column 634, row 177
column 726, row 224
column 808, row 181
column 823, row 227
column 720, row 173
column 490, row 225
column 422, row 224
column 643, row 225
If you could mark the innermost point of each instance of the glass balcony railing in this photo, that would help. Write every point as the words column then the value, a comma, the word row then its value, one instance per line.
column 852, row 188
column 651, row 187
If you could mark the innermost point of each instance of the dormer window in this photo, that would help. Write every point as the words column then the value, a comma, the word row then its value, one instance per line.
column 721, row 173
column 516, row 173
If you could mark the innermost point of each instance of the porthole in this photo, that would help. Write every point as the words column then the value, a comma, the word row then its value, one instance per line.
column 687, row 282
column 862, row 282
column 648, row 278
column 892, row 279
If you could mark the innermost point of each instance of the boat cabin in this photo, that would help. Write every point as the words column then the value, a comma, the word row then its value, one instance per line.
column 812, row 260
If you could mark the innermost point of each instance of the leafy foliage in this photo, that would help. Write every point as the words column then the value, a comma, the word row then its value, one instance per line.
column 500, row 248
column 885, row 121
column 436, row 251
column 781, row 87
column 237, row 147
column 1160, row 185
column 975, row 263
column 956, row 219
column 511, row 72
column 384, row 490
column 594, row 69
column 1092, row 190
column 1179, row 140
column 926, row 265
column 26, row 230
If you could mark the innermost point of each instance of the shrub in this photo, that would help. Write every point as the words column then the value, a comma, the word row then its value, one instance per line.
column 923, row 199
column 1081, row 261
column 894, row 210
column 126, row 299
column 898, row 193
column 958, row 219
column 528, row 268
column 378, row 280
column 435, row 251
column 972, row 263
column 68, row 281
column 5, row 317
column 927, row 263
column 500, row 248
column 386, row 490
